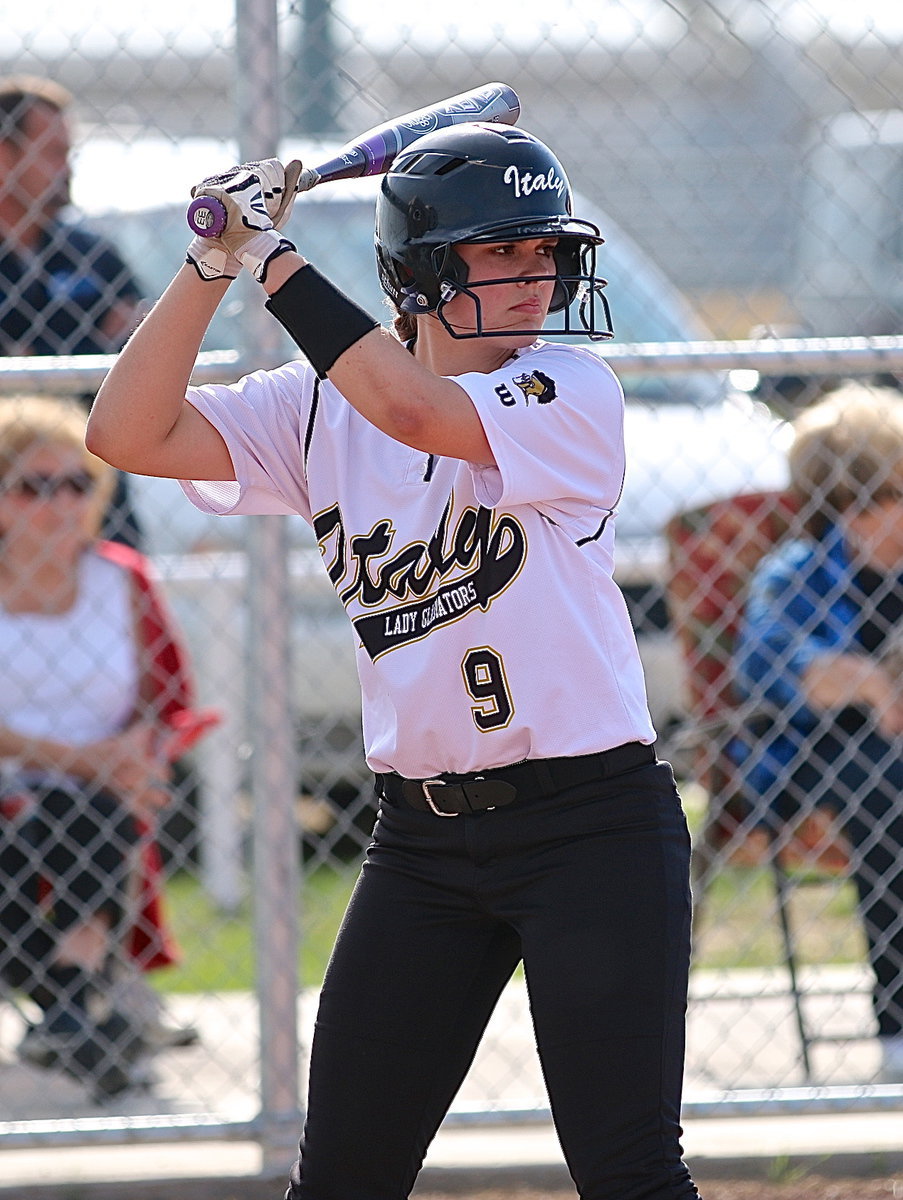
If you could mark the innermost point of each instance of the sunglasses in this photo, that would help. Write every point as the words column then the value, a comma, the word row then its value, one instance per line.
column 43, row 487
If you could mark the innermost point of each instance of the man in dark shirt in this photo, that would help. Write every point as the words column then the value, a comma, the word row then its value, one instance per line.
column 63, row 296
column 63, row 289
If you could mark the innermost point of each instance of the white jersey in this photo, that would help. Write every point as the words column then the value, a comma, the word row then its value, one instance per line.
column 489, row 627
column 73, row 676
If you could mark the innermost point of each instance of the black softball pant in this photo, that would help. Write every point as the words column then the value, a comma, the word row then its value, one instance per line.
column 590, row 888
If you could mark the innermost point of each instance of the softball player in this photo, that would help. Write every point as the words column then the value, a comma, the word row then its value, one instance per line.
column 462, row 478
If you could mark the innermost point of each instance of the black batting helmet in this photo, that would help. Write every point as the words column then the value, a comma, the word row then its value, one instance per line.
column 481, row 182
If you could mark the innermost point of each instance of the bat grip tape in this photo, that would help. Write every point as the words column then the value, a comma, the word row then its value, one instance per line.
column 323, row 321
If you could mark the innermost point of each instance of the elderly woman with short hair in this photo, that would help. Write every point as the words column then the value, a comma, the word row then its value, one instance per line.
column 819, row 655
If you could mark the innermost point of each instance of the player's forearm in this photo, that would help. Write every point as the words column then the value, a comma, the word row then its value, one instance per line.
column 143, row 396
column 118, row 323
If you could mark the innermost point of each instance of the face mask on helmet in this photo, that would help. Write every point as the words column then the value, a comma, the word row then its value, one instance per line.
column 483, row 183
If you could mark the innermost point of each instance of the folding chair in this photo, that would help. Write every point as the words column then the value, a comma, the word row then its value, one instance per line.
column 713, row 551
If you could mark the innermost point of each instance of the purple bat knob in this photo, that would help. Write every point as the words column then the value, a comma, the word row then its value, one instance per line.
column 207, row 216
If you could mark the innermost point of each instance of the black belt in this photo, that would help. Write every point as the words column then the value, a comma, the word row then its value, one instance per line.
column 449, row 795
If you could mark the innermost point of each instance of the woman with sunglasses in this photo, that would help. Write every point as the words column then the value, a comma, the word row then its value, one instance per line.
column 83, row 769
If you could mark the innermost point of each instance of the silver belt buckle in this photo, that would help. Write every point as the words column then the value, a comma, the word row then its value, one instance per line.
column 425, row 786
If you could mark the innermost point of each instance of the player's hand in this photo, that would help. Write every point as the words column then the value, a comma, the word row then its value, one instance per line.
column 257, row 198
column 242, row 191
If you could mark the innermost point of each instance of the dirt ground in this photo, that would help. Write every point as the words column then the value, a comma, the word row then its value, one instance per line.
column 808, row 1187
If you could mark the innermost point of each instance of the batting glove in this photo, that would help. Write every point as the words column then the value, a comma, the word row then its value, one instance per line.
column 258, row 198
column 212, row 260
column 280, row 202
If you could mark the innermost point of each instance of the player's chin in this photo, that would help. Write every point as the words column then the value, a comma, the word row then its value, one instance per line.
column 528, row 321
column 511, row 339
column 524, row 334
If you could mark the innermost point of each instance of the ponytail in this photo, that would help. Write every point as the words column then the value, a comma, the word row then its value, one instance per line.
column 405, row 326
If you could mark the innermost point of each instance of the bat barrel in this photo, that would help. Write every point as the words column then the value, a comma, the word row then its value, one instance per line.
column 373, row 152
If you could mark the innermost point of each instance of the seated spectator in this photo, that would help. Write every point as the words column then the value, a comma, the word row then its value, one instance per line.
column 95, row 703
column 819, row 656
column 63, row 288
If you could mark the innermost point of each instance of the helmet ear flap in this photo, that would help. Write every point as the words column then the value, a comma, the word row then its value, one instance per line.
column 391, row 275
column 426, row 276
column 449, row 267
column 569, row 256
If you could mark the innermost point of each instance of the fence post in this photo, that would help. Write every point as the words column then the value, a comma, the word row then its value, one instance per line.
column 220, row 667
column 276, row 842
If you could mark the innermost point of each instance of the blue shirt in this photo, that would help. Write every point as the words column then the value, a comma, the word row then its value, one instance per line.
column 803, row 603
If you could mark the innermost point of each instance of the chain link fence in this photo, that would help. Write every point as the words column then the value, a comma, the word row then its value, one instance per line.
column 745, row 164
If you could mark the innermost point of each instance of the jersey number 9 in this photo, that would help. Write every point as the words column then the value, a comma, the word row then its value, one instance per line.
column 484, row 677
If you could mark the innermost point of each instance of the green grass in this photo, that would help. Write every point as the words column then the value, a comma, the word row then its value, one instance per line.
column 737, row 926
column 218, row 948
column 737, row 921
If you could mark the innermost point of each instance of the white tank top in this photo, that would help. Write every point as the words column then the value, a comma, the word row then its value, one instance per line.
column 73, row 677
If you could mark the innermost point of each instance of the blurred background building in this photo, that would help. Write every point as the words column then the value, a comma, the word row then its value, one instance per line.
column 728, row 140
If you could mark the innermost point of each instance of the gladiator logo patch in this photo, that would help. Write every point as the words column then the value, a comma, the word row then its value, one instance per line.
column 538, row 385
column 424, row 585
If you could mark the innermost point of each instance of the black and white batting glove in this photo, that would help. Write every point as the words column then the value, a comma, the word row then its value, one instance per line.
column 211, row 259
column 257, row 198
